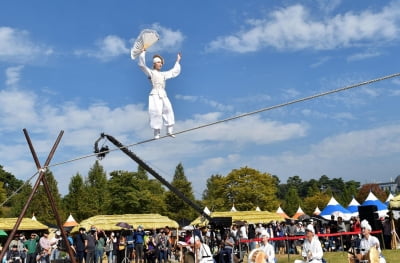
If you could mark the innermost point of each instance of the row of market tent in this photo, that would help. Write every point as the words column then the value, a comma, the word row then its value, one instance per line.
column 155, row 221
column 336, row 209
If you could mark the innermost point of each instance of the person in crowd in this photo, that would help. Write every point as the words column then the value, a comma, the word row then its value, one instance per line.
column 225, row 253
column 31, row 247
column 121, row 247
column 99, row 247
column 79, row 244
column 46, row 247
column 130, row 243
column 251, row 232
column 138, row 236
column 280, row 244
column 90, row 244
column 312, row 250
column 291, row 232
column 14, row 255
column 150, row 250
column 55, row 253
column 163, row 246
column 387, row 232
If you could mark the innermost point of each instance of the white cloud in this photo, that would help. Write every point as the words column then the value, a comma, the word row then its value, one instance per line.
column 364, row 55
column 112, row 46
column 108, row 48
column 170, row 40
column 13, row 76
column 357, row 155
column 320, row 62
column 212, row 103
column 294, row 28
column 16, row 46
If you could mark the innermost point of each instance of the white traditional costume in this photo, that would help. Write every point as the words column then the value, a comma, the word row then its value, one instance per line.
column 312, row 250
column 267, row 248
column 160, row 108
column 369, row 241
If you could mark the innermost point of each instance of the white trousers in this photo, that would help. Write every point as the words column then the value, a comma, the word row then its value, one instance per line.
column 160, row 112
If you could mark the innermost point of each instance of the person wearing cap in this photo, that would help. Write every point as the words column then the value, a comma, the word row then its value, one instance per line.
column 160, row 108
column 312, row 250
column 267, row 248
column 367, row 242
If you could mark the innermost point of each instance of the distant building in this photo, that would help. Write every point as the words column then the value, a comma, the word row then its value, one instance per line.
column 392, row 187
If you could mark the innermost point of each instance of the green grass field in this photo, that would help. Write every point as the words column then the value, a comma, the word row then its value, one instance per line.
column 392, row 256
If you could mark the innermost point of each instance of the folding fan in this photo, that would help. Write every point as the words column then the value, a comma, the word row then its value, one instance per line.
column 145, row 40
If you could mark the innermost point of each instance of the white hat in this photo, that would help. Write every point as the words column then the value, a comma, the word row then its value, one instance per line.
column 310, row 228
column 157, row 59
column 365, row 224
column 58, row 233
column 264, row 233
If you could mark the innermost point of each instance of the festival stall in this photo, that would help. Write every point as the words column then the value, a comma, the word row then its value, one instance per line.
column 7, row 224
column 249, row 216
column 109, row 222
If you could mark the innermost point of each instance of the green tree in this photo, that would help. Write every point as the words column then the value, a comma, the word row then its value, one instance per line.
column 350, row 190
column 124, row 193
column 10, row 183
column 151, row 193
column 177, row 209
column 292, row 201
column 75, row 201
column 248, row 188
column 214, row 196
column 3, row 196
column 318, row 199
column 96, row 187
column 40, row 204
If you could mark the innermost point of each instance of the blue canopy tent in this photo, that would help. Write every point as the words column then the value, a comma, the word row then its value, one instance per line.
column 371, row 199
column 336, row 209
column 353, row 207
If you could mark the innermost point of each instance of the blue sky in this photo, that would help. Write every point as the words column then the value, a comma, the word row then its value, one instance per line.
column 65, row 65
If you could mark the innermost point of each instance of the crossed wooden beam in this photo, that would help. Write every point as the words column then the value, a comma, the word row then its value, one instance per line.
column 41, row 178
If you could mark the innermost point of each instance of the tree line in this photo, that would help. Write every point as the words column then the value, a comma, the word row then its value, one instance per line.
column 127, row 192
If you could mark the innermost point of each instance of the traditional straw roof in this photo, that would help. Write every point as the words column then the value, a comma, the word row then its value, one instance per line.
column 26, row 224
column 108, row 222
column 249, row 216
